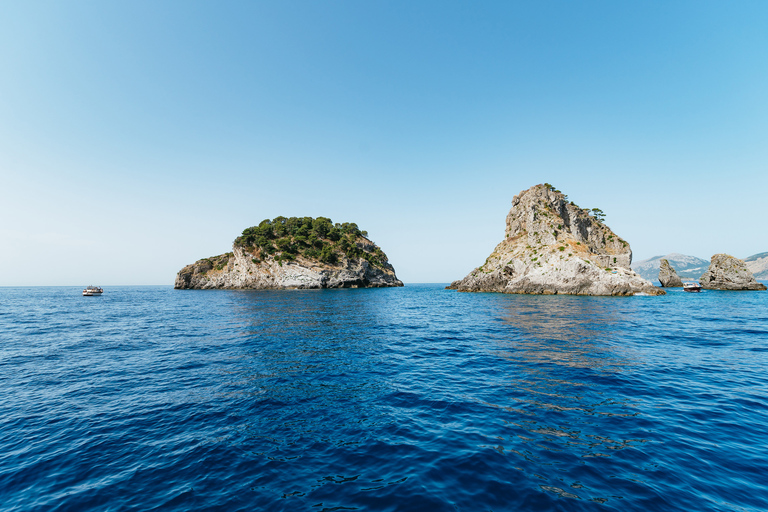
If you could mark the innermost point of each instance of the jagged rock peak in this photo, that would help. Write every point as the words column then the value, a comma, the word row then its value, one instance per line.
column 726, row 272
column 553, row 246
column 296, row 252
column 667, row 275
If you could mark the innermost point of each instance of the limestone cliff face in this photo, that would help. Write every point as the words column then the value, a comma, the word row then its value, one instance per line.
column 554, row 247
column 667, row 275
column 728, row 273
column 305, row 260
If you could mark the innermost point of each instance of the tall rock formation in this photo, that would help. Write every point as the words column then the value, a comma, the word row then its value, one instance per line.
column 728, row 273
column 554, row 247
column 294, row 253
column 667, row 275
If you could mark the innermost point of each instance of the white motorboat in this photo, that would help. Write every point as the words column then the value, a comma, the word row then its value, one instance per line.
column 691, row 287
column 90, row 291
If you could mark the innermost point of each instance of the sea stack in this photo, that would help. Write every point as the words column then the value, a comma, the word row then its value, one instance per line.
column 289, row 253
column 728, row 273
column 667, row 276
column 554, row 247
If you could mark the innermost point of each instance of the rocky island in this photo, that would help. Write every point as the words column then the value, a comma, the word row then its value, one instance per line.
column 552, row 246
column 726, row 272
column 295, row 252
column 667, row 275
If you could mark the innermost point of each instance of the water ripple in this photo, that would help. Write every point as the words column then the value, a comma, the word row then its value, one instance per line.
column 393, row 399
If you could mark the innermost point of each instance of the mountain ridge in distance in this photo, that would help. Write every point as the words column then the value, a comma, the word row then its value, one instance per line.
column 686, row 266
column 758, row 265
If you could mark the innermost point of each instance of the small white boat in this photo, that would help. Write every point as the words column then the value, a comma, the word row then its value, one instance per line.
column 90, row 291
column 691, row 287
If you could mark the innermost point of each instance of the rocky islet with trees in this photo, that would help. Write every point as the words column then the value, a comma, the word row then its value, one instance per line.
column 294, row 252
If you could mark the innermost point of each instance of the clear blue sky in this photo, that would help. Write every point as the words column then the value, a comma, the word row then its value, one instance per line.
column 137, row 137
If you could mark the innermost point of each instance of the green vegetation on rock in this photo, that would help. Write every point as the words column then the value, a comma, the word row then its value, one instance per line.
column 285, row 239
column 598, row 214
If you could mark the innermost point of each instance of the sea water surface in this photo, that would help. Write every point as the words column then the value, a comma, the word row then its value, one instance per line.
column 415, row 398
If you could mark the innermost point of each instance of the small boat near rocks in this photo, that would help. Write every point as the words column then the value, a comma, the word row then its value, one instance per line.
column 691, row 287
column 90, row 291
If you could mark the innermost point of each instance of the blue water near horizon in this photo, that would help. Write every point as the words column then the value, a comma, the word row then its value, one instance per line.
column 415, row 398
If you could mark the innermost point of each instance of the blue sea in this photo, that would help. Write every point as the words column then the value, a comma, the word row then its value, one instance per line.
column 415, row 398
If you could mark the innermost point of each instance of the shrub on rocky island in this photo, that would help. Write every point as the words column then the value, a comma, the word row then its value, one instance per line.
column 312, row 238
